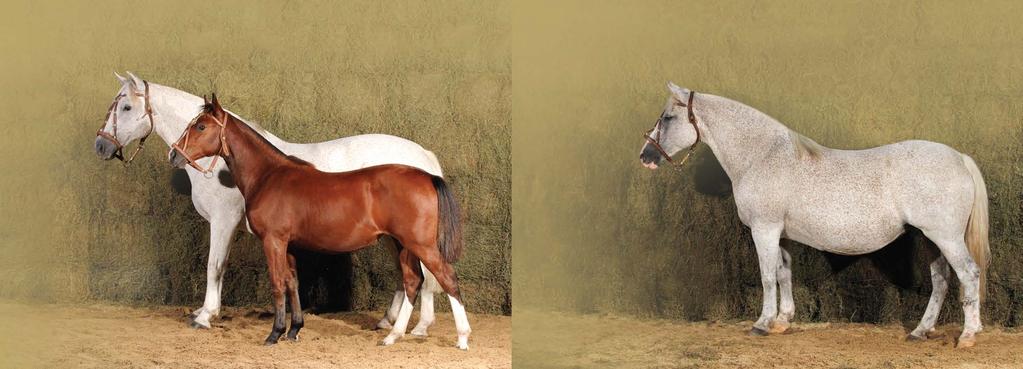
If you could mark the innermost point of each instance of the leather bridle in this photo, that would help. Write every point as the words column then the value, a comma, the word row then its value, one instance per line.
column 655, row 141
column 112, row 137
column 224, row 150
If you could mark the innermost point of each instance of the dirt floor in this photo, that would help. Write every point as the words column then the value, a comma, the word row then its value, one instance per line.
column 109, row 336
column 586, row 341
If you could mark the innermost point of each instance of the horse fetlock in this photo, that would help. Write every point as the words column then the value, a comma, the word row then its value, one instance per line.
column 421, row 328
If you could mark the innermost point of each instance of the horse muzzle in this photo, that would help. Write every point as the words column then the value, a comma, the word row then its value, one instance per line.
column 104, row 148
column 176, row 159
column 650, row 157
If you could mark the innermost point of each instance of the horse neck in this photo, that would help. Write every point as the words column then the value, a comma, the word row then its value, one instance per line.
column 251, row 154
column 739, row 136
column 173, row 109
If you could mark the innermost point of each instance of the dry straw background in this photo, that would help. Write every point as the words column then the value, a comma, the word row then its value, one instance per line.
column 74, row 228
column 595, row 232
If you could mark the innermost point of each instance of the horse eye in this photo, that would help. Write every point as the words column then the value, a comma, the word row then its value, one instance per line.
column 127, row 107
column 200, row 126
column 668, row 117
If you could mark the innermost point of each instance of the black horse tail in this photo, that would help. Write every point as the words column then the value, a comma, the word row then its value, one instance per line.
column 449, row 222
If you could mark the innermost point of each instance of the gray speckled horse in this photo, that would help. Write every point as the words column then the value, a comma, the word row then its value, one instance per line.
column 848, row 202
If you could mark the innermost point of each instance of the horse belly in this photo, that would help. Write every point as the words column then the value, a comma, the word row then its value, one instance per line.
column 849, row 230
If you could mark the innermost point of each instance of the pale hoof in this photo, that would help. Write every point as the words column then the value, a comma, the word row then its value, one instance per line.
column 757, row 332
column 779, row 327
column 966, row 342
column 384, row 324
column 463, row 343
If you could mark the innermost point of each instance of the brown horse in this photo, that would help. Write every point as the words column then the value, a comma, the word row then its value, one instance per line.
column 290, row 202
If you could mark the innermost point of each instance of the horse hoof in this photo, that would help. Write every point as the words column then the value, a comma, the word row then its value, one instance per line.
column 914, row 338
column 757, row 332
column 197, row 325
column 420, row 333
column 779, row 328
column 384, row 324
column 269, row 343
column 389, row 340
column 966, row 342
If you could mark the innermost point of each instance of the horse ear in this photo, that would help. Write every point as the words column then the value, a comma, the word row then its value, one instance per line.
column 205, row 100
column 135, row 82
column 680, row 94
column 216, row 104
column 121, row 78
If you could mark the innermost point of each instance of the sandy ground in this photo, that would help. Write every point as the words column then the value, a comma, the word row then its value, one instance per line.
column 109, row 336
column 601, row 341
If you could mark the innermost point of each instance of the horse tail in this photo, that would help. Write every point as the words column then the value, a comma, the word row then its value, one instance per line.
column 977, row 227
column 449, row 222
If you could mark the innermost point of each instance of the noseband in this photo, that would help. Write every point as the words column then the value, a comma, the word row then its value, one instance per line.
column 223, row 145
column 112, row 137
column 655, row 141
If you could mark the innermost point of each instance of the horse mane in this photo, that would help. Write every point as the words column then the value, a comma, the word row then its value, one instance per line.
column 208, row 108
column 805, row 148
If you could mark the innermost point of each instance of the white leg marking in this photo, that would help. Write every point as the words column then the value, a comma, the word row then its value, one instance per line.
column 461, row 323
column 401, row 323
column 392, row 313
column 425, row 313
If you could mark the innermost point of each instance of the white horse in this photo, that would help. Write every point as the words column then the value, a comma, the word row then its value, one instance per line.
column 848, row 202
column 142, row 108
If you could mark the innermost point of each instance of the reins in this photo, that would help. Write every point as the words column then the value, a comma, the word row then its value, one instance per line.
column 112, row 112
column 656, row 141
column 223, row 144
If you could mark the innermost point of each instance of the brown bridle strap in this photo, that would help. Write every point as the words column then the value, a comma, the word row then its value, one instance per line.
column 224, row 150
column 112, row 112
column 656, row 140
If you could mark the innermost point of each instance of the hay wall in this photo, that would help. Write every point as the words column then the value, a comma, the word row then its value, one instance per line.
column 597, row 232
column 76, row 228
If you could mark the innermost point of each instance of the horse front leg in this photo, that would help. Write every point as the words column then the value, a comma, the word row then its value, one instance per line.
column 222, row 229
column 769, row 255
column 953, row 248
column 275, row 250
column 787, row 306
column 297, row 319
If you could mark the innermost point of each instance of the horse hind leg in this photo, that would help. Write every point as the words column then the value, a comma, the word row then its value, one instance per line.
column 387, row 322
column 953, row 248
column 297, row 318
column 412, row 276
column 426, row 316
column 449, row 282
column 939, row 287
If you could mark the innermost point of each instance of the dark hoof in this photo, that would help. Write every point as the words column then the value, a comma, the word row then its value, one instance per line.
column 195, row 325
column 914, row 338
column 269, row 343
column 292, row 337
column 757, row 332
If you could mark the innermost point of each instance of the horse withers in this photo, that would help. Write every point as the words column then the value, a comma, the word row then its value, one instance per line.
column 289, row 202
column 848, row 202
